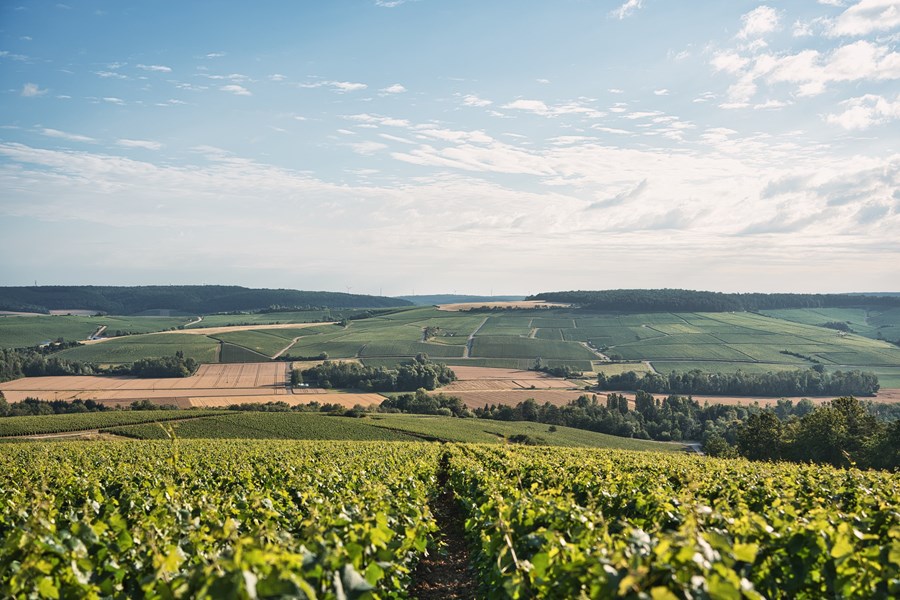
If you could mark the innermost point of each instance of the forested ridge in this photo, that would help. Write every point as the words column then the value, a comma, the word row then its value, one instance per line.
column 677, row 300
column 194, row 299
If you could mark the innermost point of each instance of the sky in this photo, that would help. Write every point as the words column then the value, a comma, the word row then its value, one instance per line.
column 436, row 146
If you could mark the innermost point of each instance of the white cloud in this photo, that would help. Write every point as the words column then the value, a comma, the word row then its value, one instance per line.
column 390, row 3
column 144, row 144
column 393, row 89
column 277, row 77
column 32, row 90
column 758, row 22
column 155, row 68
column 729, row 61
column 72, row 137
column 865, row 111
column 110, row 75
column 866, row 17
column 809, row 70
column 337, row 86
column 542, row 80
column 771, row 104
column 662, row 92
column 215, row 55
column 615, row 91
column 236, row 89
column 114, row 100
column 473, row 100
column 627, row 9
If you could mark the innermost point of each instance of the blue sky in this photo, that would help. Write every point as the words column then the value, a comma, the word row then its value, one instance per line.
column 438, row 146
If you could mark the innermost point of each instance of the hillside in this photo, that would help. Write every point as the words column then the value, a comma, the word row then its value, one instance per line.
column 192, row 299
column 638, row 300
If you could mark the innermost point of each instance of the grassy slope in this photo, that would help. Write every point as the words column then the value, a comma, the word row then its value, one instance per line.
column 315, row 426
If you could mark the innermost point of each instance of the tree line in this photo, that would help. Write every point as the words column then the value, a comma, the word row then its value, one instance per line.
column 192, row 299
column 420, row 372
column 34, row 362
column 676, row 300
column 814, row 381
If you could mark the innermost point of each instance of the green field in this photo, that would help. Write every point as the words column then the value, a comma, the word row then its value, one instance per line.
column 135, row 347
column 21, row 332
column 385, row 427
column 284, row 426
column 95, row 420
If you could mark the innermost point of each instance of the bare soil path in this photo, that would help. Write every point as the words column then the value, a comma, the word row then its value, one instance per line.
column 446, row 572
column 467, row 351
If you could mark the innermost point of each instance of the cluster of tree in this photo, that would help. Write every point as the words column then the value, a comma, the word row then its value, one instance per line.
column 33, row 407
column 34, row 362
column 193, row 299
column 673, row 418
column 423, row 403
column 843, row 432
column 676, row 300
column 166, row 366
column 802, row 382
column 564, row 371
column 417, row 373
column 838, row 325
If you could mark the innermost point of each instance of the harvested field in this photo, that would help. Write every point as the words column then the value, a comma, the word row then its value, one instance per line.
column 217, row 380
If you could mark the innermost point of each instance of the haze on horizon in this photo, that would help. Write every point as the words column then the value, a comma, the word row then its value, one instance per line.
column 431, row 147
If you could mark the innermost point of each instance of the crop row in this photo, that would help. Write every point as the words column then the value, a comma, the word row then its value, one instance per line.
column 576, row 524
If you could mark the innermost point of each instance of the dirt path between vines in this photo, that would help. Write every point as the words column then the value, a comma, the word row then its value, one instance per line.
column 446, row 571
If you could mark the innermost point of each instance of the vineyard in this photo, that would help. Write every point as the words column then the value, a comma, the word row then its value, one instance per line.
column 267, row 519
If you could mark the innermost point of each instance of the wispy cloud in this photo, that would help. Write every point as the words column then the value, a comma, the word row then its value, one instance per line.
column 32, row 90
column 113, row 100
column 238, row 90
column 475, row 101
column 393, row 89
column 72, row 137
column 367, row 147
column 539, row 107
column 155, row 68
column 143, row 144
column 338, row 86
column 627, row 9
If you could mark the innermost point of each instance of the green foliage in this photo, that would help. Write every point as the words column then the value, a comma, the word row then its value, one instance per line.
column 218, row 520
column 812, row 382
column 555, row 523
column 35, row 425
column 164, row 367
column 410, row 376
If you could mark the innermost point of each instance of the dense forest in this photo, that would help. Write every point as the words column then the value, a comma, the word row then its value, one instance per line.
column 417, row 373
column 675, row 300
column 189, row 299
column 801, row 382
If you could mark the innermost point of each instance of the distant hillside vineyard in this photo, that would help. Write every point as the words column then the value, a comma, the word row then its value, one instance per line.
column 194, row 299
column 693, row 301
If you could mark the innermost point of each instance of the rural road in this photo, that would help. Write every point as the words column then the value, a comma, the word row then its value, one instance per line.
column 467, row 351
